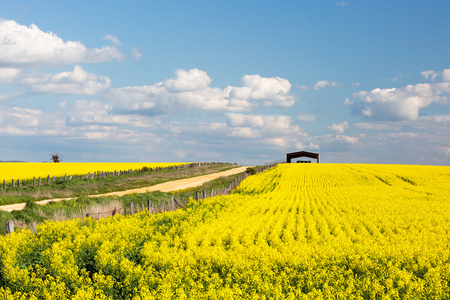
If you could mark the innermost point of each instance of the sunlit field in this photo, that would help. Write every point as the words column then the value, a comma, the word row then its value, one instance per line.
column 9, row 171
column 297, row 231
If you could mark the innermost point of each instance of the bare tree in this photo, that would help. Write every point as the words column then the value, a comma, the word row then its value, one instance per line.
column 56, row 157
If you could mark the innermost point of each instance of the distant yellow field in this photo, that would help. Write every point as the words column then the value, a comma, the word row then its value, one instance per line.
column 9, row 171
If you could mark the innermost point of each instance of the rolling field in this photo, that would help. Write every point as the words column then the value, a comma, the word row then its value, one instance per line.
column 298, row 231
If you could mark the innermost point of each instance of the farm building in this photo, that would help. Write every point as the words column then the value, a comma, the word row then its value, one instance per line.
column 294, row 155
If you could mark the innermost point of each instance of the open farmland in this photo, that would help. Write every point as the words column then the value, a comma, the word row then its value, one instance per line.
column 298, row 231
column 23, row 171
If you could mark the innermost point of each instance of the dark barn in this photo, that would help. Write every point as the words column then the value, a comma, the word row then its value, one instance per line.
column 293, row 155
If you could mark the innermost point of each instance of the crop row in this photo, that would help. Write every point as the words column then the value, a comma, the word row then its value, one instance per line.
column 293, row 232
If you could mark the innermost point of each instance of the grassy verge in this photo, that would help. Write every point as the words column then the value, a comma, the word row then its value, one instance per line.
column 79, row 207
column 83, row 187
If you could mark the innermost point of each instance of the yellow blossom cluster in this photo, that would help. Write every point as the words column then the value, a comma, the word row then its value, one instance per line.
column 297, row 231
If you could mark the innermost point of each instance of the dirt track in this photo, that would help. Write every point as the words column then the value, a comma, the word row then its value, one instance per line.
column 169, row 186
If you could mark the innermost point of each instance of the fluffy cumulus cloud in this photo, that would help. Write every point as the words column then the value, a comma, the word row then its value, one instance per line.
column 7, row 75
column 325, row 83
column 339, row 128
column 432, row 75
column 113, row 39
column 259, row 121
column 186, row 81
column 191, row 90
column 275, row 91
column 22, row 45
column 398, row 104
column 77, row 82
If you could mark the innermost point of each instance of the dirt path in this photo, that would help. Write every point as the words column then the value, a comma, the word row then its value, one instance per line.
column 169, row 186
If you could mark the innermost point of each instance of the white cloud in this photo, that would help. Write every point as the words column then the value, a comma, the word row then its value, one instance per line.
column 245, row 132
column 339, row 139
column 8, row 74
column 190, row 90
column 19, row 121
column 275, row 91
column 446, row 75
column 84, row 112
column 136, row 53
column 77, row 82
column 22, row 46
column 430, row 74
column 260, row 121
column 398, row 104
column 185, row 81
column 324, row 83
column 339, row 128
column 273, row 130
column 113, row 39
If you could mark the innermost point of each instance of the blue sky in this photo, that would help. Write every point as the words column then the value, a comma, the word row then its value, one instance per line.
column 236, row 81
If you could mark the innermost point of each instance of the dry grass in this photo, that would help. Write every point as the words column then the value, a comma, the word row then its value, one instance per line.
column 95, row 210
column 105, row 210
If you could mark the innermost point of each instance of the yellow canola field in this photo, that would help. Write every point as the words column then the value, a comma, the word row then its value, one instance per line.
column 9, row 171
column 298, row 231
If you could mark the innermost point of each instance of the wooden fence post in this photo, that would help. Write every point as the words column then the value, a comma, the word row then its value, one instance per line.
column 39, row 182
column 178, row 204
column 87, row 215
column 114, row 212
column 148, row 204
column 10, row 227
column 18, row 183
column 173, row 203
column 4, row 184
column 34, row 181
column 131, row 208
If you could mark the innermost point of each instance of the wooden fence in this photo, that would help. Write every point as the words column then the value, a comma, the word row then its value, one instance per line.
column 154, row 208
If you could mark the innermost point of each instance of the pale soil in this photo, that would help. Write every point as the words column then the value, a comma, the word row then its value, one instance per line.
column 169, row 186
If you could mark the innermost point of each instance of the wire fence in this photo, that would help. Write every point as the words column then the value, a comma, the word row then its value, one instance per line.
column 152, row 207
